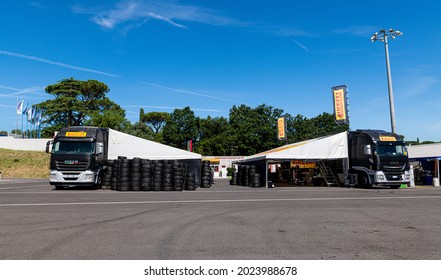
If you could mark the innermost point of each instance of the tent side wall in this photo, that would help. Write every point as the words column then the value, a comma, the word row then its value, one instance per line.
column 122, row 144
column 194, row 166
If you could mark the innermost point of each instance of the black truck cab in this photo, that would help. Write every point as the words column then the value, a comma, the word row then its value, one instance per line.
column 377, row 157
column 78, row 156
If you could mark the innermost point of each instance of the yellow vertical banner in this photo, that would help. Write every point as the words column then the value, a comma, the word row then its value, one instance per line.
column 281, row 128
column 340, row 104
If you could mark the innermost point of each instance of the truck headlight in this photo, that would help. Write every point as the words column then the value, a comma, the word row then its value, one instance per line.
column 380, row 177
column 88, row 177
column 52, row 177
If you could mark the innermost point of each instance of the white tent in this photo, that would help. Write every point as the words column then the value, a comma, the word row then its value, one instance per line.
column 122, row 144
column 333, row 147
column 428, row 151
column 322, row 148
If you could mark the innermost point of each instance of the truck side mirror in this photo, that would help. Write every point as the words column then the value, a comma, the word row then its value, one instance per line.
column 368, row 150
column 100, row 148
column 47, row 146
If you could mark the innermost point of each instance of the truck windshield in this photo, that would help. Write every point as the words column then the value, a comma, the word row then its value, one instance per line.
column 391, row 149
column 72, row 148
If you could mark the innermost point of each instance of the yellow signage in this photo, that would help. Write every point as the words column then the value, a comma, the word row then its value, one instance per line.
column 388, row 138
column 76, row 134
column 339, row 104
column 281, row 128
column 302, row 164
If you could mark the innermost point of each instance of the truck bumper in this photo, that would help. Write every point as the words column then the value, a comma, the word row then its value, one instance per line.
column 394, row 180
column 70, row 178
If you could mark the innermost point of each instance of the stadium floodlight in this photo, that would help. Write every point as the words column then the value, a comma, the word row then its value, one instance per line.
column 382, row 36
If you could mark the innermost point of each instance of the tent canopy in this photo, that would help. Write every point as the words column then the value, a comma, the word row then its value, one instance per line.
column 424, row 151
column 322, row 148
column 122, row 144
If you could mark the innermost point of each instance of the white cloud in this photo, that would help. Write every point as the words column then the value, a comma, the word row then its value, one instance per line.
column 7, row 106
column 9, row 88
column 31, row 90
column 300, row 45
column 420, row 85
column 130, row 12
column 418, row 81
column 60, row 64
column 189, row 92
column 358, row 30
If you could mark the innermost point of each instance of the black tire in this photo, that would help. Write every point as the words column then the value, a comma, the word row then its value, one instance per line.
column 124, row 187
column 364, row 181
column 124, row 170
column 146, row 168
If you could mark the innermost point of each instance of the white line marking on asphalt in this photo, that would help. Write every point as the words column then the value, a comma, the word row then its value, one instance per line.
column 22, row 187
column 215, row 201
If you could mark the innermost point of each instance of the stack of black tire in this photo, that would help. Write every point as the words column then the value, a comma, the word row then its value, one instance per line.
column 234, row 178
column 135, row 174
column 244, row 177
column 255, row 181
column 124, row 175
column 239, row 175
column 107, row 176
column 206, row 174
column 115, row 172
column 179, row 171
column 157, row 175
column 190, row 182
column 254, row 177
column 167, row 176
column 139, row 174
column 146, row 175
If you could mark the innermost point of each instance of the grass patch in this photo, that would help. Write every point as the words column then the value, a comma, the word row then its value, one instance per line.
column 24, row 164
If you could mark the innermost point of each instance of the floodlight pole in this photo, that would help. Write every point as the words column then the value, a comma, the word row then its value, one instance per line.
column 383, row 35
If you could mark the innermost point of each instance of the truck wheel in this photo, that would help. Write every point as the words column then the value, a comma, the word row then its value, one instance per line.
column 364, row 181
column 98, row 185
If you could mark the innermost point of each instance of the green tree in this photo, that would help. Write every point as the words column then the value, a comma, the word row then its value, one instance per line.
column 213, row 137
column 78, row 102
column 253, row 130
column 301, row 128
column 180, row 128
column 156, row 121
column 140, row 130
column 110, row 115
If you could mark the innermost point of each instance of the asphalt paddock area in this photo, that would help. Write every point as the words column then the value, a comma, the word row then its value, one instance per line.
column 221, row 222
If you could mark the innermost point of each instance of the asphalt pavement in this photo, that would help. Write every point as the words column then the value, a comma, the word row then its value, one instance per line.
column 222, row 222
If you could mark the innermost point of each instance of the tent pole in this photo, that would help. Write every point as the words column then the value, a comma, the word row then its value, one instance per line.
column 346, row 172
column 266, row 173
column 437, row 164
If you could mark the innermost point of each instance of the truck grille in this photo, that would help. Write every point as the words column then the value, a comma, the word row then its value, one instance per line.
column 63, row 165
column 394, row 176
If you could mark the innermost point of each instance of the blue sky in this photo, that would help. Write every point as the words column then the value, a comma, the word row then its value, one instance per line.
column 211, row 55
